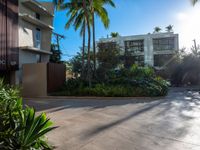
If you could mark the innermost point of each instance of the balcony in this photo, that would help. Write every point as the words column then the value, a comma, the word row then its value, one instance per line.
column 35, row 21
column 37, row 7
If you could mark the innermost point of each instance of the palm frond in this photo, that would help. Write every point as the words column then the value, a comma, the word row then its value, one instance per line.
column 194, row 2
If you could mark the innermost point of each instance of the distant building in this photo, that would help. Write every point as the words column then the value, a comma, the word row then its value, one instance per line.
column 150, row 49
column 25, row 36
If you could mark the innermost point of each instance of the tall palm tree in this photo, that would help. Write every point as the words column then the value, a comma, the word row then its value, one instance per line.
column 86, row 7
column 97, row 7
column 80, row 22
column 169, row 28
column 76, row 18
column 82, row 15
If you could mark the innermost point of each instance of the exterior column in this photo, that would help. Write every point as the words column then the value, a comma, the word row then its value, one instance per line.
column 148, row 51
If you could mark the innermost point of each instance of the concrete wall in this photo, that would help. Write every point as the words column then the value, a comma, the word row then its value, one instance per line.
column 27, row 30
column 26, row 33
column 50, row 8
column 26, row 57
column 27, row 38
column 34, row 80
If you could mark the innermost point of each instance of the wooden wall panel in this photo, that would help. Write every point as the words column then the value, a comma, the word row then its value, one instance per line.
column 3, row 34
column 12, row 35
column 56, row 76
column 9, row 53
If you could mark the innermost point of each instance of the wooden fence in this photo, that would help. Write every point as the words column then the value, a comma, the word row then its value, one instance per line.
column 9, row 53
column 56, row 76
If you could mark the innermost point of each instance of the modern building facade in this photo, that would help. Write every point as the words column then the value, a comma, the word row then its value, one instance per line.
column 25, row 35
column 155, row 49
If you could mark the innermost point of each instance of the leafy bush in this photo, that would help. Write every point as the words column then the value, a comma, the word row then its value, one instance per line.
column 187, row 72
column 20, row 128
column 136, row 81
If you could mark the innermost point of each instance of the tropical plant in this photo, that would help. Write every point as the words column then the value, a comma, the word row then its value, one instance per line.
column 169, row 28
column 186, row 73
column 108, row 57
column 28, row 131
column 76, row 64
column 157, row 29
column 82, row 15
column 20, row 128
column 97, row 7
column 114, row 34
column 135, row 81
column 76, row 18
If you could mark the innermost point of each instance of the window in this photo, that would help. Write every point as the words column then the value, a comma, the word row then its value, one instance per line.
column 163, row 44
column 139, row 60
column 130, row 60
column 37, row 16
column 162, row 60
column 107, row 45
column 38, row 38
column 134, row 46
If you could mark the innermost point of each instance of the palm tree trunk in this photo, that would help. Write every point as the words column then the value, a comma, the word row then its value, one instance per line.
column 89, row 35
column 93, row 35
column 94, row 42
column 88, row 61
column 83, row 52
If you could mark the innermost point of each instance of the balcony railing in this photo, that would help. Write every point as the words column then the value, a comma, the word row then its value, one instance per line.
column 35, row 21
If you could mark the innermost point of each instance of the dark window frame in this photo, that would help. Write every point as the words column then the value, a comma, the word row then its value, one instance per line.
column 134, row 45
column 160, row 44
column 161, row 59
column 37, row 15
column 140, row 60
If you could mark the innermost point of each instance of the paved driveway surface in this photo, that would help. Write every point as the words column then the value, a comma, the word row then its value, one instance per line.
column 171, row 123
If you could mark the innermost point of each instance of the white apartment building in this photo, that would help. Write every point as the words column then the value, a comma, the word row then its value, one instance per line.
column 155, row 49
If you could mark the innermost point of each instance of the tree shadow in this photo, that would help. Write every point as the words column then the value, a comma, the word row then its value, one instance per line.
column 167, row 120
column 167, row 114
column 54, row 105
column 97, row 130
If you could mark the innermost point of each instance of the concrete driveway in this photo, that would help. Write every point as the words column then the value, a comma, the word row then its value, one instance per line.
column 171, row 123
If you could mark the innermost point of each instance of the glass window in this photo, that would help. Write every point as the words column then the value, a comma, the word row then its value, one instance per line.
column 134, row 46
column 162, row 60
column 139, row 60
column 37, row 16
column 107, row 45
column 163, row 44
column 38, row 38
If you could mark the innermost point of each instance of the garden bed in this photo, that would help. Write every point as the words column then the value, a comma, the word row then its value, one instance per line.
column 133, row 82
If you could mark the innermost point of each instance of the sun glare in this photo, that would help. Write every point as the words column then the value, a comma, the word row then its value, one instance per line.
column 187, row 25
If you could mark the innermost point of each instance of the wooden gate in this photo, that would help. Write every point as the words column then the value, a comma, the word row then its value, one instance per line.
column 56, row 76
column 9, row 52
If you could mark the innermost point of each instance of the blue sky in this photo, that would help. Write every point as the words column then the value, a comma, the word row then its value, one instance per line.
column 132, row 17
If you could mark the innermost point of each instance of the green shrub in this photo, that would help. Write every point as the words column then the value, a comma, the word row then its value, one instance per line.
column 136, row 81
column 19, row 127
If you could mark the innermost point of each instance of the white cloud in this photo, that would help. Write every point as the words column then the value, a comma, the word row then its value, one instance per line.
column 187, row 24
